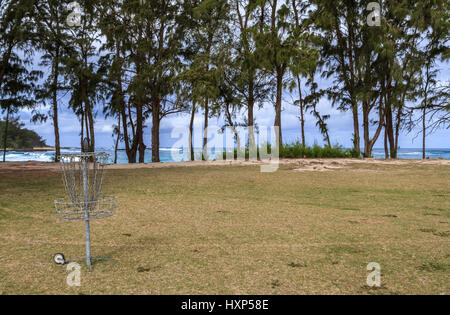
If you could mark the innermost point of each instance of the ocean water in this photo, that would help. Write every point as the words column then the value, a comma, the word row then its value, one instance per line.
column 178, row 155
column 415, row 153
column 165, row 155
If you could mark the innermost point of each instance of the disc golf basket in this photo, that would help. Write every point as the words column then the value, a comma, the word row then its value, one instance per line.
column 83, row 180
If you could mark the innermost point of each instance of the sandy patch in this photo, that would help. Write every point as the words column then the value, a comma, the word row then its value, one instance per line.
column 319, row 166
column 322, row 165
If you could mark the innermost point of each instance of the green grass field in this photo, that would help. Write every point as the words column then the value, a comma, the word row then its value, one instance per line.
column 234, row 230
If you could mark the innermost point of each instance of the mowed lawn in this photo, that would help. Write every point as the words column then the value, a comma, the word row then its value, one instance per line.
column 234, row 230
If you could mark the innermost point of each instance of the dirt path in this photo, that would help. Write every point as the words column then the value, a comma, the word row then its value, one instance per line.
column 303, row 164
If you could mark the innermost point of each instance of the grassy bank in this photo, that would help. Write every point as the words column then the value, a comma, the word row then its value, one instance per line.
column 235, row 230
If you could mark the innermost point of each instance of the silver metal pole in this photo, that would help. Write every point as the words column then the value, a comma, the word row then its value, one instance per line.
column 86, row 214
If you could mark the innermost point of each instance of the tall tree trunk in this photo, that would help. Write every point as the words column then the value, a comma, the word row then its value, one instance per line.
column 82, row 130
column 191, row 133
column 91, row 128
column 356, row 140
column 5, row 137
column 117, row 140
column 383, row 97
column 424, row 132
column 397, row 128
column 250, row 117
column 88, row 118
column 138, row 130
column 55, row 105
column 389, row 119
column 386, row 149
column 302, row 118
column 205, row 131
column 134, row 145
column 280, row 75
column 424, row 112
column 328, row 138
column 88, row 109
column 122, row 112
column 155, row 130
column 126, row 139
column 302, row 111
column 88, row 137
column 390, row 130
column 139, row 141
column 353, row 82
column 366, row 129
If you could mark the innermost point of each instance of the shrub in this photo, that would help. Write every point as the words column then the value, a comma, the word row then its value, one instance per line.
column 297, row 150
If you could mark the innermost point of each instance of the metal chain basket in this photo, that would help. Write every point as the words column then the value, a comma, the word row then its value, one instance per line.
column 83, row 181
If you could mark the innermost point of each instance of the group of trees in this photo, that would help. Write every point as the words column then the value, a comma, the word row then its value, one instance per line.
column 139, row 61
column 18, row 136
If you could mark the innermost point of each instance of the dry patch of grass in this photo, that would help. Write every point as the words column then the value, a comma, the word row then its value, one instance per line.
column 234, row 230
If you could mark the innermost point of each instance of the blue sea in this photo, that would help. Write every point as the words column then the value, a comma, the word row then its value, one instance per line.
column 165, row 155
column 177, row 155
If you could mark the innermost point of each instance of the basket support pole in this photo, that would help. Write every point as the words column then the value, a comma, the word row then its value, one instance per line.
column 88, row 245
column 86, row 214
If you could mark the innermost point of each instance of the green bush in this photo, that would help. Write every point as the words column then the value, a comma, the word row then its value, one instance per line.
column 297, row 150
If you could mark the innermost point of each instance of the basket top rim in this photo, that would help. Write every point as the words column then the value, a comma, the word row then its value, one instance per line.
column 84, row 154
